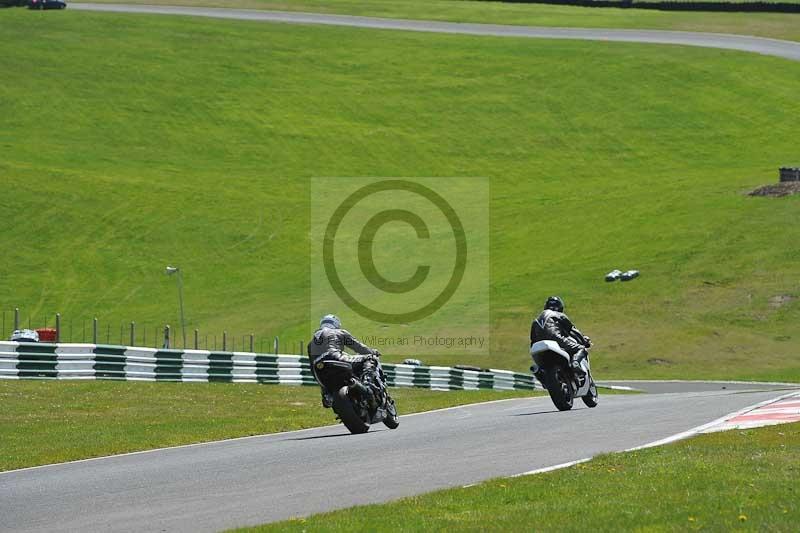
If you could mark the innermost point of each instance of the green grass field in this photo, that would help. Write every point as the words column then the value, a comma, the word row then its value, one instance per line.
column 732, row 481
column 776, row 25
column 138, row 141
column 46, row 422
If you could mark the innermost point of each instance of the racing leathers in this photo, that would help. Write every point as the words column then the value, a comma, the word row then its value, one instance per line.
column 554, row 326
column 329, row 343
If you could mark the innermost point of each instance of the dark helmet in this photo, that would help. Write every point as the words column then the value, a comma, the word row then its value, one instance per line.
column 554, row 303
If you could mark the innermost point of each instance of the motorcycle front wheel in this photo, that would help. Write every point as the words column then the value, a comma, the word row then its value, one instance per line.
column 560, row 391
column 343, row 406
column 590, row 399
column 391, row 421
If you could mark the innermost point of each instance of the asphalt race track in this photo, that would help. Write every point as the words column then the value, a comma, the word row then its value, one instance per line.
column 667, row 386
column 214, row 486
column 759, row 45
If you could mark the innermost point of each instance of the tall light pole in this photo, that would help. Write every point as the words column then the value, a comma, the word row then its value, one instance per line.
column 175, row 270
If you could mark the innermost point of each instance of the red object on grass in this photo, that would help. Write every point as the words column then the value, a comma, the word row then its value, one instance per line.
column 47, row 334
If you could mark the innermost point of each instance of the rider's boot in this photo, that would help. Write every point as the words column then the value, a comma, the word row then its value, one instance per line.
column 379, row 390
column 327, row 398
column 372, row 381
column 374, row 402
column 580, row 375
column 577, row 368
column 376, row 399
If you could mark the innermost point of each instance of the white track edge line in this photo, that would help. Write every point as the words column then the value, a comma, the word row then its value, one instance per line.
column 699, row 429
column 554, row 467
column 618, row 387
column 678, row 436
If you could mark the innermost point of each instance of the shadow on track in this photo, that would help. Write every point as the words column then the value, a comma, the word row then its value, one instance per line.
column 348, row 434
column 539, row 413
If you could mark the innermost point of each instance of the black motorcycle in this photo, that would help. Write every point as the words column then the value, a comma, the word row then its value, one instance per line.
column 353, row 401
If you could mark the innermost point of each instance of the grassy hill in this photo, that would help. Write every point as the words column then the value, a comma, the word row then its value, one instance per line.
column 131, row 142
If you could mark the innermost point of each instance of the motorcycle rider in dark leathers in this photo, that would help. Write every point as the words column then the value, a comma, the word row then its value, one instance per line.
column 553, row 325
column 329, row 343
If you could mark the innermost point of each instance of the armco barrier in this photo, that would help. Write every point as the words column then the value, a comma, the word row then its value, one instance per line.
column 106, row 362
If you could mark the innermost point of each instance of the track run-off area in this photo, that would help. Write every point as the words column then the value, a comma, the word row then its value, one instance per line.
column 253, row 480
column 760, row 45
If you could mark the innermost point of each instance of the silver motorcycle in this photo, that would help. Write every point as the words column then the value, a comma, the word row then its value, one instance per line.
column 552, row 366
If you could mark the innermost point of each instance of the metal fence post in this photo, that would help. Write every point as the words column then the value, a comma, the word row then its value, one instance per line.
column 133, row 333
column 196, row 339
column 252, row 343
column 166, row 336
column 94, row 331
column 58, row 327
column 224, row 341
column 275, row 344
column 16, row 318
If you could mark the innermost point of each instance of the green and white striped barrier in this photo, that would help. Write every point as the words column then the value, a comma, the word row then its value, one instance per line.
column 107, row 362
column 447, row 378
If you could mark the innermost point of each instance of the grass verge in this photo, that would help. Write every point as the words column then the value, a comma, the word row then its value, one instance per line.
column 731, row 481
column 775, row 25
column 45, row 422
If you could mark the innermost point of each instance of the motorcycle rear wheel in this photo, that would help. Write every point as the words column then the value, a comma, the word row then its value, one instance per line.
column 343, row 406
column 560, row 391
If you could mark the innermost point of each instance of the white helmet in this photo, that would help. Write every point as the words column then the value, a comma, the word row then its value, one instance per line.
column 331, row 321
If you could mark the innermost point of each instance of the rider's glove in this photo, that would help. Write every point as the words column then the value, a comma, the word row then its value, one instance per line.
column 376, row 353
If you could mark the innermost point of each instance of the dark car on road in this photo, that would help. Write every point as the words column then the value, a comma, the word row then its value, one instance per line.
column 47, row 4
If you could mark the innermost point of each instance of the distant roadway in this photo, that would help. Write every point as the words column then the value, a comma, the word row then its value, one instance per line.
column 744, row 43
